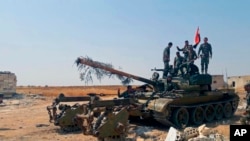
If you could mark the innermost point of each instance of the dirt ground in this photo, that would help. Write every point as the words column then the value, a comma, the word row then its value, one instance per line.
column 25, row 118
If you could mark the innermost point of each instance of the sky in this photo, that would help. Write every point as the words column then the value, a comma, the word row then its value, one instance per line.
column 41, row 39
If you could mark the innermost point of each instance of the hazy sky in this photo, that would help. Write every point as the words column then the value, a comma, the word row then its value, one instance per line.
column 41, row 39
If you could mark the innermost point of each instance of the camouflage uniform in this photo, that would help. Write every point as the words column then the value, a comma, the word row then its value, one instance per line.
column 184, row 51
column 192, row 56
column 170, row 86
column 178, row 60
column 128, row 93
column 186, row 48
column 166, row 59
column 206, row 50
column 246, row 117
column 190, row 61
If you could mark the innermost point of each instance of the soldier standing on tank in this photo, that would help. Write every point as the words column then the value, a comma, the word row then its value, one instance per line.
column 192, row 56
column 166, row 59
column 186, row 48
column 206, row 50
column 246, row 116
column 178, row 60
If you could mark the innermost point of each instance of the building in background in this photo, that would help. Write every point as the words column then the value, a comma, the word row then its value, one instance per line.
column 218, row 82
column 8, row 83
column 238, row 82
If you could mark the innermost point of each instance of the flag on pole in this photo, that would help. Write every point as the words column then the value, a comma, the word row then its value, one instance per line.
column 197, row 37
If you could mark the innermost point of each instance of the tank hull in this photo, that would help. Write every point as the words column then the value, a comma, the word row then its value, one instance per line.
column 194, row 109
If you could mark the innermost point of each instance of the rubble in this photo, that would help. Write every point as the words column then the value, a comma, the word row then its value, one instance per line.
column 202, row 133
column 21, row 100
column 174, row 135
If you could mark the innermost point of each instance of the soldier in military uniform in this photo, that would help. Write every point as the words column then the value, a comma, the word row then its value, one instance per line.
column 130, row 92
column 178, row 60
column 192, row 55
column 206, row 50
column 246, row 116
column 166, row 59
column 186, row 48
column 189, row 64
column 170, row 86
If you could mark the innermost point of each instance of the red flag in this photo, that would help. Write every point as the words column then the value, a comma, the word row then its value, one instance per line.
column 197, row 37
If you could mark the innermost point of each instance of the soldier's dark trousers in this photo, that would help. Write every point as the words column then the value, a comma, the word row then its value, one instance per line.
column 204, row 65
column 166, row 69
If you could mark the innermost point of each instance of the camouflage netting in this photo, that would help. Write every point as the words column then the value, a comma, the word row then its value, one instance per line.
column 87, row 72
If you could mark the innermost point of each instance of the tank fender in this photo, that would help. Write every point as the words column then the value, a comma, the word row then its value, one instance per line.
column 159, row 105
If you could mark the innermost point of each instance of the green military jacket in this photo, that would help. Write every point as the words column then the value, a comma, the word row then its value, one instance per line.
column 166, row 54
column 178, row 60
column 205, row 49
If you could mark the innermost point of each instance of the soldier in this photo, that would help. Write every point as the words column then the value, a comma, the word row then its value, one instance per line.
column 170, row 85
column 128, row 93
column 186, row 48
column 178, row 60
column 206, row 50
column 246, row 117
column 189, row 64
column 166, row 59
column 192, row 55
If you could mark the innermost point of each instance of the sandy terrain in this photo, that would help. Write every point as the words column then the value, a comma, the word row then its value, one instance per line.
column 26, row 118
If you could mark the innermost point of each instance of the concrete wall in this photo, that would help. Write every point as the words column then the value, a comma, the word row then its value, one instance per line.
column 217, row 82
column 7, row 83
column 238, row 82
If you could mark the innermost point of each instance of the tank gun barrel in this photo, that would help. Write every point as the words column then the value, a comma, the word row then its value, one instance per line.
column 94, row 64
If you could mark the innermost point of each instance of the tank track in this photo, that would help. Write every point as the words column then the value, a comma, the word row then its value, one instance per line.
column 169, row 121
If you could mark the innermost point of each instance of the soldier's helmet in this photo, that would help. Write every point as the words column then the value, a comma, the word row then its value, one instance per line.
column 155, row 76
column 169, row 77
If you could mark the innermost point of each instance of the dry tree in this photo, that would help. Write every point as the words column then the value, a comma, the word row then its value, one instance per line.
column 89, row 68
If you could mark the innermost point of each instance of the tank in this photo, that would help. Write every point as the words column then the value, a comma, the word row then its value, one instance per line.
column 103, row 119
column 62, row 114
column 192, row 102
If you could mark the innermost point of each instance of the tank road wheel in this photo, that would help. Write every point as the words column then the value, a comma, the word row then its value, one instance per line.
column 228, row 110
column 209, row 113
column 218, row 111
column 181, row 117
column 235, row 105
column 197, row 115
